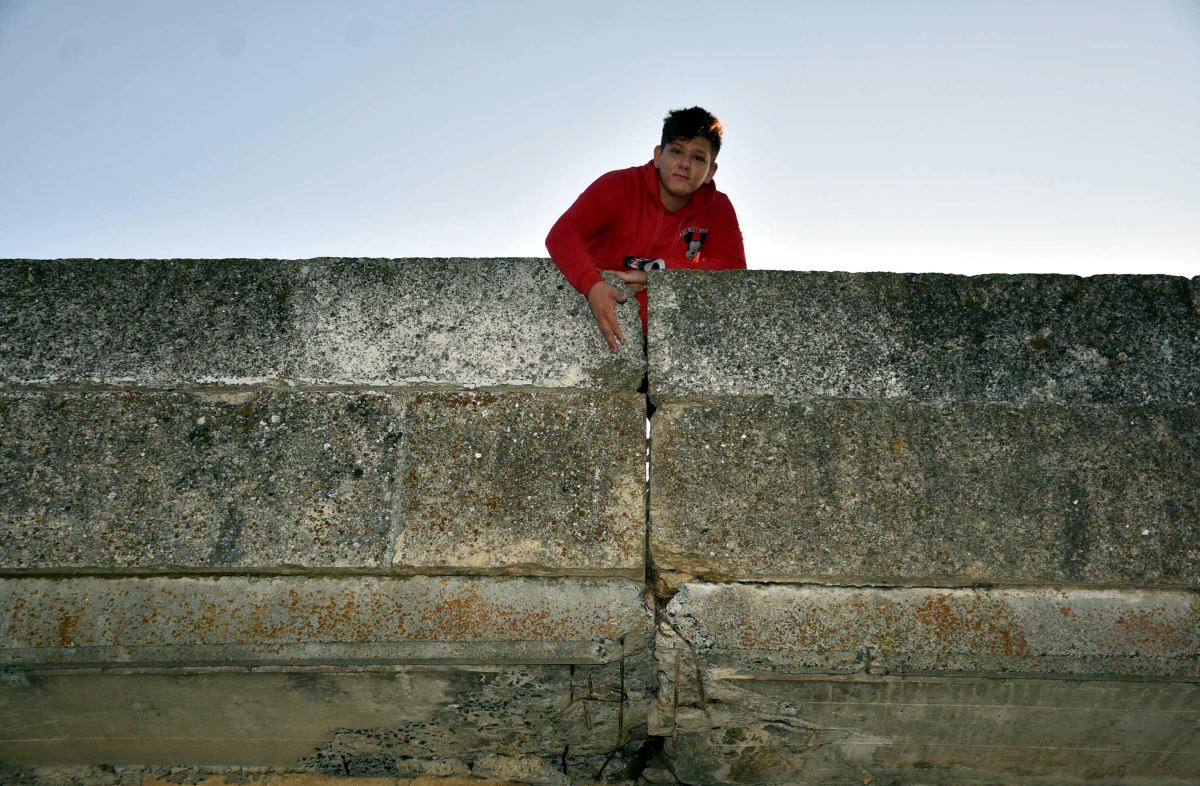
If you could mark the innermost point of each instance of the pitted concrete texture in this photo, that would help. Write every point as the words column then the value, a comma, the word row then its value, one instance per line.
column 530, row 482
column 927, row 337
column 438, row 719
column 848, row 630
column 90, row 621
column 468, row 322
column 912, row 493
column 113, row 480
column 458, row 322
column 823, row 685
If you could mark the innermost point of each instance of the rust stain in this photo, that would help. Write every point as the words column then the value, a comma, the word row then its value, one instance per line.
column 1150, row 627
column 67, row 627
column 985, row 624
column 897, row 445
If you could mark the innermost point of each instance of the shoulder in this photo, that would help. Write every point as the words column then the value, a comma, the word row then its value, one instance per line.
column 619, row 178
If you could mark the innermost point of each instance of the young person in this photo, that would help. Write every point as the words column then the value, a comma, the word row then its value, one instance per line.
column 667, row 211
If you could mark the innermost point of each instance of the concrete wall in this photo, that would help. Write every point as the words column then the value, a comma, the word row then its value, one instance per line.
column 927, row 529
column 389, row 518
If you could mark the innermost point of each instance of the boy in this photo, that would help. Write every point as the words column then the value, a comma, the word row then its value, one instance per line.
column 667, row 211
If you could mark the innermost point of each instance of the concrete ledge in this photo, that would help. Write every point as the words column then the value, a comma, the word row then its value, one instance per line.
column 443, row 719
column 294, row 619
column 262, row 479
column 847, row 630
column 368, row 675
column 910, row 493
column 460, row 322
column 927, row 337
column 824, row 685
column 927, row 731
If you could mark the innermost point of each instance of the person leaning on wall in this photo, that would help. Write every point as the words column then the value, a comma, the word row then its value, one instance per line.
column 665, row 213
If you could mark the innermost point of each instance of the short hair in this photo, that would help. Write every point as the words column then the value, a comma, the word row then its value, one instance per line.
column 690, row 123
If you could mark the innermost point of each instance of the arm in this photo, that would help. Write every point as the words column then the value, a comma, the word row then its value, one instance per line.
column 567, row 243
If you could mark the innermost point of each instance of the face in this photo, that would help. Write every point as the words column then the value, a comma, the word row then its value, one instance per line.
column 683, row 166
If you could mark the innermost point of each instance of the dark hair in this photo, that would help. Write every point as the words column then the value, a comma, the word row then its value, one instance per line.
column 690, row 123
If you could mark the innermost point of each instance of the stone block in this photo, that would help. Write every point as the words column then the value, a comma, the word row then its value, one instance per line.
column 824, row 685
column 547, row 482
column 913, row 493
column 370, row 675
column 926, row 337
column 116, row 480
column 458, row 322
column 525, row 482
column 465, row 322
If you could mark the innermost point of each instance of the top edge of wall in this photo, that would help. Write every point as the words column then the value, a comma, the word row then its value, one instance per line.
column 467, row 323
column 1110, row 339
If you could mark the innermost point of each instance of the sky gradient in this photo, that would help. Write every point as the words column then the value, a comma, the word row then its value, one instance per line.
column 961, row 137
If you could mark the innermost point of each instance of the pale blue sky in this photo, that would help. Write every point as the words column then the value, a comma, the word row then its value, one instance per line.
column 958, row 136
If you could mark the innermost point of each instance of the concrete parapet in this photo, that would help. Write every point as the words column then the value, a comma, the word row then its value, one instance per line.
column 912, row 493
column 459, row 322
column 939, row 338
column 822, row 685
column 260, row 479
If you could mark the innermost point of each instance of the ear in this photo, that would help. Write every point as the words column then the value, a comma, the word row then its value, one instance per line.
column 712, row 170
column 657, row 155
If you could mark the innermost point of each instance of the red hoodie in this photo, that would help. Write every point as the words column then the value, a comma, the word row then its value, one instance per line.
column 622, row 215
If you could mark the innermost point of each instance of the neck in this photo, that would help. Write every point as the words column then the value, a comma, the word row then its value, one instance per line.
column 670, row 201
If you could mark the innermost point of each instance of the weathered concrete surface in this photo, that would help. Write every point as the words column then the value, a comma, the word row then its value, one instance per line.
column 912, row 493
column 439, row 719
column 141, row 480
column 822, row 685
column 847, row 630
column 185, row 776
column 114, row 480
column 531, row 482
column 461, row 322
column 367, row 675
column 927, row 337
column 90, row 621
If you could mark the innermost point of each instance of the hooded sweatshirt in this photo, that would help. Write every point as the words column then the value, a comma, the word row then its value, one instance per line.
column 622, row 215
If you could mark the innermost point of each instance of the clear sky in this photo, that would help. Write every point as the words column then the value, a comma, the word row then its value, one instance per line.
column 961, row 136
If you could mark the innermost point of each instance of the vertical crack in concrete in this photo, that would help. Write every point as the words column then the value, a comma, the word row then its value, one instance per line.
column 399, row 483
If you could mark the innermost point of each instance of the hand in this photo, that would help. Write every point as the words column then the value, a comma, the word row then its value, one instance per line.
column 603, row 298
column 634, row 279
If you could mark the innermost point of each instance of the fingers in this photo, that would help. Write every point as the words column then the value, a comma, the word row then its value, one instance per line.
column 602, row 298
column 632, row 276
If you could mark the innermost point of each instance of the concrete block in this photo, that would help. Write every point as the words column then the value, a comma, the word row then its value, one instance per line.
column 525, row 482
column 465, row 322
column 926, row 337
column 362, row 674
column 851, row 630
column 89, row 621
column 126, row 480
column 911, row 493
column 544, row 482
column 821, row 685
column 459, row 322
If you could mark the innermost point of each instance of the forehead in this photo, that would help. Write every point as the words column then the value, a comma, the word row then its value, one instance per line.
column 695, row 144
